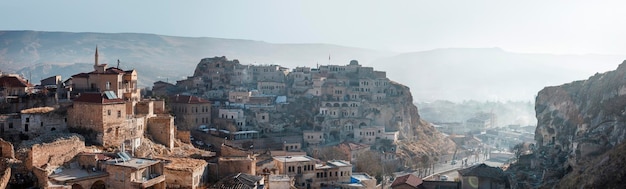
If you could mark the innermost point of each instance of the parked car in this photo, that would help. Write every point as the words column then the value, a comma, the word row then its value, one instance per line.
column 443, row 177
column 203, row 128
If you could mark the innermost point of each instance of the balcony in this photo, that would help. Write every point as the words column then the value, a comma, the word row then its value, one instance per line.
column 144, row 183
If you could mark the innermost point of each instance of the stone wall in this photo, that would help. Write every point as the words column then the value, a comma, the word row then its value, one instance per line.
column 178, row 178
column 184, row 136
column 232, row 165
column 162, row 130
column 4, row 180
column 6, row 149
column 55, row 153
column 42, row 176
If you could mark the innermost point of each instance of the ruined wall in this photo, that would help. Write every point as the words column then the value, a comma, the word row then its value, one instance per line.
column 178, row 178
column 162, row 130
column 6, row 149
column 42, row 176
column 54, row 153
column 4, row 179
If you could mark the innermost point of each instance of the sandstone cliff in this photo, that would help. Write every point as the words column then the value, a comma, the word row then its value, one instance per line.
column 419, row 137
column 579, row 123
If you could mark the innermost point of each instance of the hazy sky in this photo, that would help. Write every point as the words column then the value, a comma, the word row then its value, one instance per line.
column 570, row 27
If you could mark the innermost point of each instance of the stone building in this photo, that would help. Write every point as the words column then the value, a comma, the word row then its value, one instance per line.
column 185, row 173
column 353, row 150
column 136, row 173
column 408, row 181
column 14, row 85
column 103, row 78
column 36, row 121
column 190, row 111
column 103, row 118
column 483, row 176
column 310, row 174
column 313, row 137
column 163, row 89
column 239, row 96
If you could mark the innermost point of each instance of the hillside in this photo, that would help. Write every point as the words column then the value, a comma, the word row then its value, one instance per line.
column 38, row 54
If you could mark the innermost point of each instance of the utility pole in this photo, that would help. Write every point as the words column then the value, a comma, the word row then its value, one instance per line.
column 382, row 158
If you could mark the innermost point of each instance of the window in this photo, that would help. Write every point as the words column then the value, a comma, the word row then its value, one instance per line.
column 27, row 120
column 26, row 127
column 10, row 125
column 108, row 85
column 108, row 112
column 119, row 113
column 41, row 124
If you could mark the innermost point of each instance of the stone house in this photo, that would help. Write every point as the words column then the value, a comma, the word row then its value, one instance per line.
column 10, row 125
column 107, row 119
column 136, row 173
column 353, row 150
column 369, row 134
column 14, row 85
column 360, row 181
column 279, row 182
column 190, row 111
column 483, row 176
column 36, row 121
column 271, row 88
column 122, row 83
column 313, row 137
column 307, row 173
column 408, row 181
column 161, row 88
column 239, row 96
column 185, row 173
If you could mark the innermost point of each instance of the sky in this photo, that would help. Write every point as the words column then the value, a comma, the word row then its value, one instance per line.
column 529, row 26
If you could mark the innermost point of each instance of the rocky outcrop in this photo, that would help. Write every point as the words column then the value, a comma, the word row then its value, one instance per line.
column 578, row 123
column 419, row 137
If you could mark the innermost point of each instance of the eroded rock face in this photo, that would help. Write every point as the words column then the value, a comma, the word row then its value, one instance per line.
column 579, row 121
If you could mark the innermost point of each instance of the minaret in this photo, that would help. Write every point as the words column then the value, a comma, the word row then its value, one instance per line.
column 95, row 66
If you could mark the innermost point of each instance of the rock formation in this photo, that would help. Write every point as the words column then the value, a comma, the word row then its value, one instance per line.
column 580, row 124
column 351, row 96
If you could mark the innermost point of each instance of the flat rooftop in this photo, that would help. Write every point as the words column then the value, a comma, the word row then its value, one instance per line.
column 73, row 175
column 293, row 158
column 361, row 176
column 136, row 163
column 279, row 178
column 339, row 163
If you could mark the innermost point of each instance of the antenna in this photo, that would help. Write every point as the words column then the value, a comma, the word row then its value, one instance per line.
column 118, row 63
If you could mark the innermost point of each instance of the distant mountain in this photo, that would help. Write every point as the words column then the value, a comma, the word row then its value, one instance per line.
column 488, row 74
column 448, row 74
column 156, row 57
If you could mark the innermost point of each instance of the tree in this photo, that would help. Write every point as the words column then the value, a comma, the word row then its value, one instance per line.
column 370, row 163
column 330, row 153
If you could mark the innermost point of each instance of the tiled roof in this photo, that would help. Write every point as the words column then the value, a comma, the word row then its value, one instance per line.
column 12, row 81
column 238, row 181
column 96, row 98
column 83, row 75
column 483, row 170
column 187, row 99
column 409, row 179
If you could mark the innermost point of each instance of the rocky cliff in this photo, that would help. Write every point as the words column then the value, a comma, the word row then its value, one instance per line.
column 419, row 137
column 579, row 123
